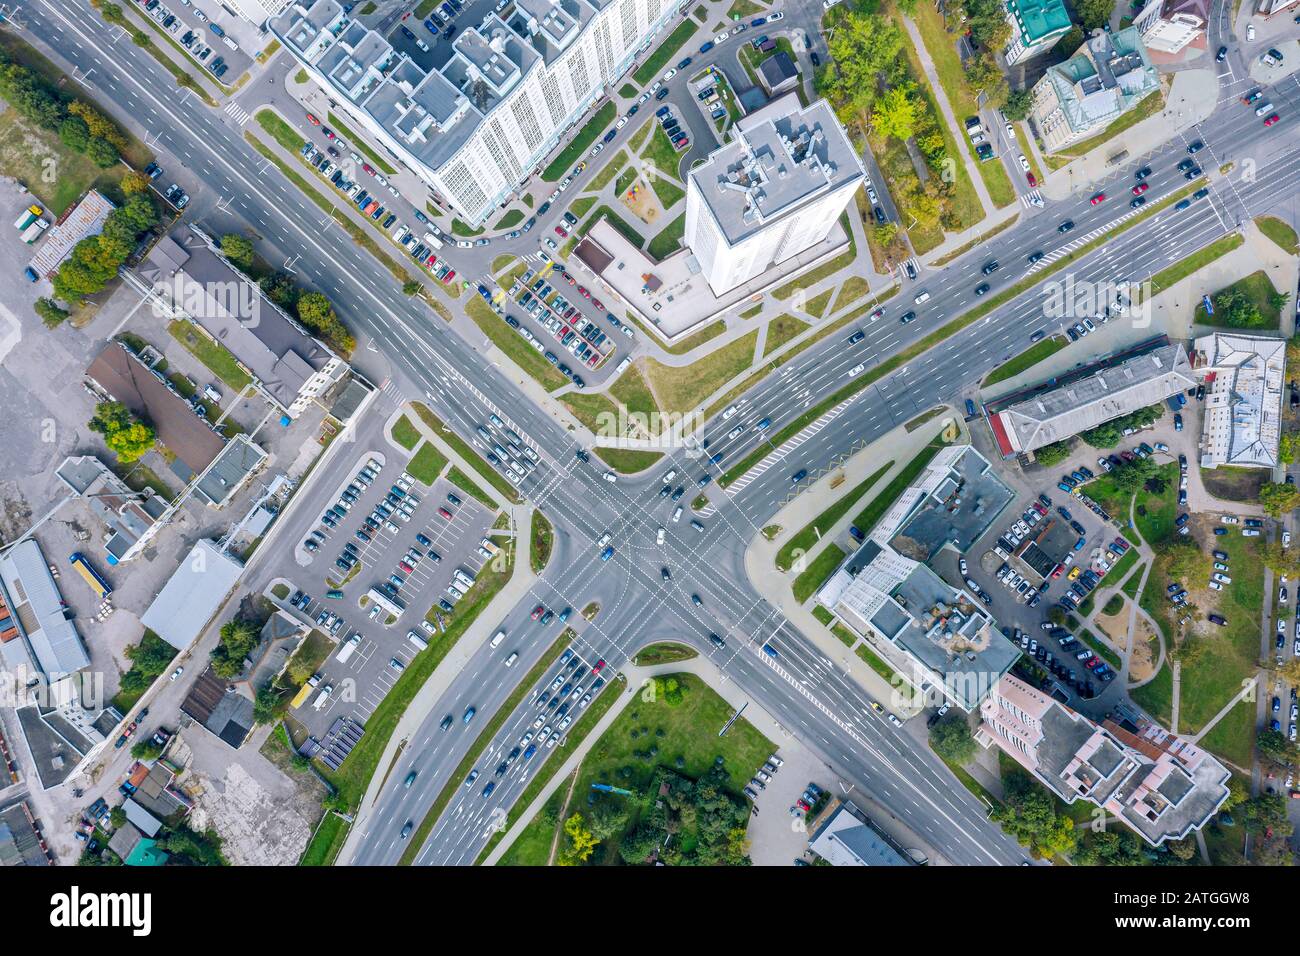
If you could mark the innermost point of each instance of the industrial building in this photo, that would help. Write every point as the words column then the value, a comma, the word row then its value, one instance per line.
column 482, row 109
column 1156, row 783
column 776, row 189
column 1089, row 396
column 937, row 635
column 84, row 220
column 1108, row 76
column 186, row 277
column 131, row 519
column 1243, row 376
column 193, row 594
column 45, row 639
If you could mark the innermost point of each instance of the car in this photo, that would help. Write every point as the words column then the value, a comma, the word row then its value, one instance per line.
column 406, row 830
column 177, row 673
column 311, row 118
column 1065, row 226
column 990, row 267
column 907, row 317
column 1034, row 257
column 1195, row 147
column 1097, row 199
column 410, row 779
column 1271, row 120
column 1140, row 188
column 1138, row 202
column 1221, row 55
column 982, row 289
column 487, row 791
column 799, row 476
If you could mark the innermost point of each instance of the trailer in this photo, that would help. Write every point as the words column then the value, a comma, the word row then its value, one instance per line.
column 90, row 575
column 29, row 216
column 34, row 231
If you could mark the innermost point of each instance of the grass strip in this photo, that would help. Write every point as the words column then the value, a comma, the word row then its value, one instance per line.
column 1196, row 261
column 821, row 568
column 471, row 457
column 1026, row 359
column 648, row 70
column 466, row 484
column 590, row 128
column 807, row 538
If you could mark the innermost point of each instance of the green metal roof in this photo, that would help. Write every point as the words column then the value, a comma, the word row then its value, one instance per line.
column 1039, row 19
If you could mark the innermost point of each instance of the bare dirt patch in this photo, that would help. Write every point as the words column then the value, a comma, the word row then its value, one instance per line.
column 1141, row 663
column 641, row 199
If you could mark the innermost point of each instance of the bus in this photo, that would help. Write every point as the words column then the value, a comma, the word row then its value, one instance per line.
column 90, row 576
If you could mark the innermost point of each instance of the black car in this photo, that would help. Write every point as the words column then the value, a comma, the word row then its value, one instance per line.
column 907, row 317
column 879, row 213
column 1142, row 173
column 1223, row 50
column 1192, row 173
column 990, row 268
column 816, row 60
column 1139, row 201
column 982, row 288
column 1186, row 164
column 1196, row 147
column 1034, row 257
column 683, row 64
column 678, row 492
column 857, row 337
column 1200, row 194
column 1065, row 226
column 665, row 574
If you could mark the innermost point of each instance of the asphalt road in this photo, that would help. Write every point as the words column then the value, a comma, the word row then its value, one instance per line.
column 813, row 699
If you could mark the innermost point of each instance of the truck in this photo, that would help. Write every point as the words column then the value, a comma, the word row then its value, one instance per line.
column 415, row 638
column 34, row 231
column 322, row 697
column 305, row 691
column 432, row 240
column 348, row 648
column 29, row 216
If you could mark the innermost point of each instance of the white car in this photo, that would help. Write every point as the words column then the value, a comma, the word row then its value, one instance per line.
column 611, row 477
column 643, row 97
column 1250, row 31
column 621, row 123
column 177, row 673
column 1286, row 539
column 670, row 74
column 659, row 536
column 1024, row 163
column 773, row 17
column 721, row 37
column 731, row 410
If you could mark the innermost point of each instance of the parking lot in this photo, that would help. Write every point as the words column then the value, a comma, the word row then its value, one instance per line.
column 380, row 562
column 213, row 40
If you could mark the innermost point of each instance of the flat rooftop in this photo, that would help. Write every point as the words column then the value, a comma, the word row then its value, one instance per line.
column 779, row 159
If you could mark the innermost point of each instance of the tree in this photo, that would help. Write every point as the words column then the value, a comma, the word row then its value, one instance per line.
column 1266, row 812
column 1069, row 43
column 1278, row 498
column 124, row 434
column 135, row 183
column 51, row 312
column 1279, row 559
column 1051, row 455
column 1234, row 308
column 1029, row 815
column 951, row 739
column 238, row 639
column 101, row 152
column 1117, row 847
column 1288, row 446
column 146, row 749
column 1017, row 105
column 1186, row 560
column 411, row 287
column 74, row 134
column 117, row 818
column 238, row 248
column 1274, row 745
column 1132, row 476
column 637, row 846
column 895, row 115
column 607, row 818
column 1184, row 849
column 1093, row 13
column 581, row 842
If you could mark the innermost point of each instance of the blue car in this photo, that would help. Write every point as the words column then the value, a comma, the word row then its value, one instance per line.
column 707, row 47
column 607, row 553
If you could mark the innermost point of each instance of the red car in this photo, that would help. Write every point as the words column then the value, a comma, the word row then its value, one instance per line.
column 598, row 304
column 1058, row 571
column 570, row 278
column 1140, row 188
column 1271, row 120
column 448, row 277
column 537, row 612
column 560, row 231
column 405, row 567
column 313, row 120
column 877, row 314
column 445, row 513
column 1033, row 180
column 600, row 666
column 368, row 168
column 1100, row 197
column 583, row 292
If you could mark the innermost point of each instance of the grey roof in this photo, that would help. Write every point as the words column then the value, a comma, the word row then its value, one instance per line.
column 145, row 821
column 1085, row 402
column 193, row 594
column 1107, row 75
column 1243, row 404
column 238, row 460
column 781, row 158
column 849, row 839
column 128, row 516
column 186, row 270
column 777, row 69
column 36, row 601
column 957, row 511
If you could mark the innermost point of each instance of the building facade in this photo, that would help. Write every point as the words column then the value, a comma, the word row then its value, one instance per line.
column 1036, row 25
column 1156, row 783
column 1108, row 76
column 775, row 190
column 1170, row 25
column 499, row 96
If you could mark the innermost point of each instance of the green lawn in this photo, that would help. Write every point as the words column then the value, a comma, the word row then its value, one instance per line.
column 607, row 173
column 464, row 229
column 466, row 452
column 668, row 191
column 1258, row 289
column 1134, row 580
column 214, row 355
column 1157, row 697
column 1280, row 232
column 680, row 389
column 326, row 842
column 1026, row 359
column 27, row 151
column 405, row 434
column 427, row 464
column 533, row 845
column 1233, row 737
column 660, row 153
column 664, row 652
column 631, row 389
column 513, row 345
column 688, row 731
column 627, row 461
column 781, row 330
column 591, row 128
column 654, row 66
column 541, row 540
column 817, row 572
column 808, row 537
column 669, row 239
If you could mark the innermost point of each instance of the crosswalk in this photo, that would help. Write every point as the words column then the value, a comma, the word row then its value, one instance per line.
column 392, row 393
column 790, row 445
column 1031, row 198
column 237, row 113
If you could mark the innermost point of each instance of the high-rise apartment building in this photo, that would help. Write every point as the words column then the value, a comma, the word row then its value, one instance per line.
column 775, row 190
column 484, row 107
